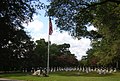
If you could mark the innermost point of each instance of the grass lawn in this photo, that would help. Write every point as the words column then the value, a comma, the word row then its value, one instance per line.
column 64, row 76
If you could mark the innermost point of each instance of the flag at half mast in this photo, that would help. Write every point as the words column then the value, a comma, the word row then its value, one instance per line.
column 50, row 27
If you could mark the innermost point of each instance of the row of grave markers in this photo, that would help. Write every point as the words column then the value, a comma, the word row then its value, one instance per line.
column 86, row 69
column 81, row 69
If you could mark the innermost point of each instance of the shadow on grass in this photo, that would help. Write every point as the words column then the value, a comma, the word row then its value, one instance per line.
column 2, row 75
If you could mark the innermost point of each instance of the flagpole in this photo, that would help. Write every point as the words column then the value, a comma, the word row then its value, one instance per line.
column 48, row 54
column 50, row 33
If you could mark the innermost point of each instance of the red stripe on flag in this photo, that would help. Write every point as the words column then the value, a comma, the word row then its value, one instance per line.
column 50, row 27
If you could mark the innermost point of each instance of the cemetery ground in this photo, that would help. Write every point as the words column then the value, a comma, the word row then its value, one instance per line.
column 63, row 76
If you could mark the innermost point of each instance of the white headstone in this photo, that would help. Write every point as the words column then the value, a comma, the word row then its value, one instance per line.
column 36, row 72
column 110, row 71
column 114, row 70
column 86, row 70
column 83, row 70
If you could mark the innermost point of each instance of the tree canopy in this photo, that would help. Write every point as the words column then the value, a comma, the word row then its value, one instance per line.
column 75, row 16
column 15, row 43
column 60, row 55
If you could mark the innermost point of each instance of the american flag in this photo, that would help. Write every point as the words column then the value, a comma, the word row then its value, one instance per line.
column 50, row 27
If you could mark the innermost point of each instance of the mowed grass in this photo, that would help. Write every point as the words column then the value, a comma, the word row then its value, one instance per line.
column 64, row 76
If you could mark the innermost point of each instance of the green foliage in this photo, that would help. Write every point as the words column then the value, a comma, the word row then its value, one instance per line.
column 16, row 46
column 75, row 16
column 60, row 56
column 15, row 12
column 68, row 16
column 106, row 21
column 40, row 53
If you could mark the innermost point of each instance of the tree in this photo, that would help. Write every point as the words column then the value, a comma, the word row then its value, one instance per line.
column 75, row 17
column 60, row 56
column 64, row 48
column 91, row 58
column 108, row 45
column 41, row 53
column 15, row 43
column 83, row 62
column 16, row 12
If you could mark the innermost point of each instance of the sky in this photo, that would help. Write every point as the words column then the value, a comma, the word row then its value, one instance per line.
column 38, row 29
